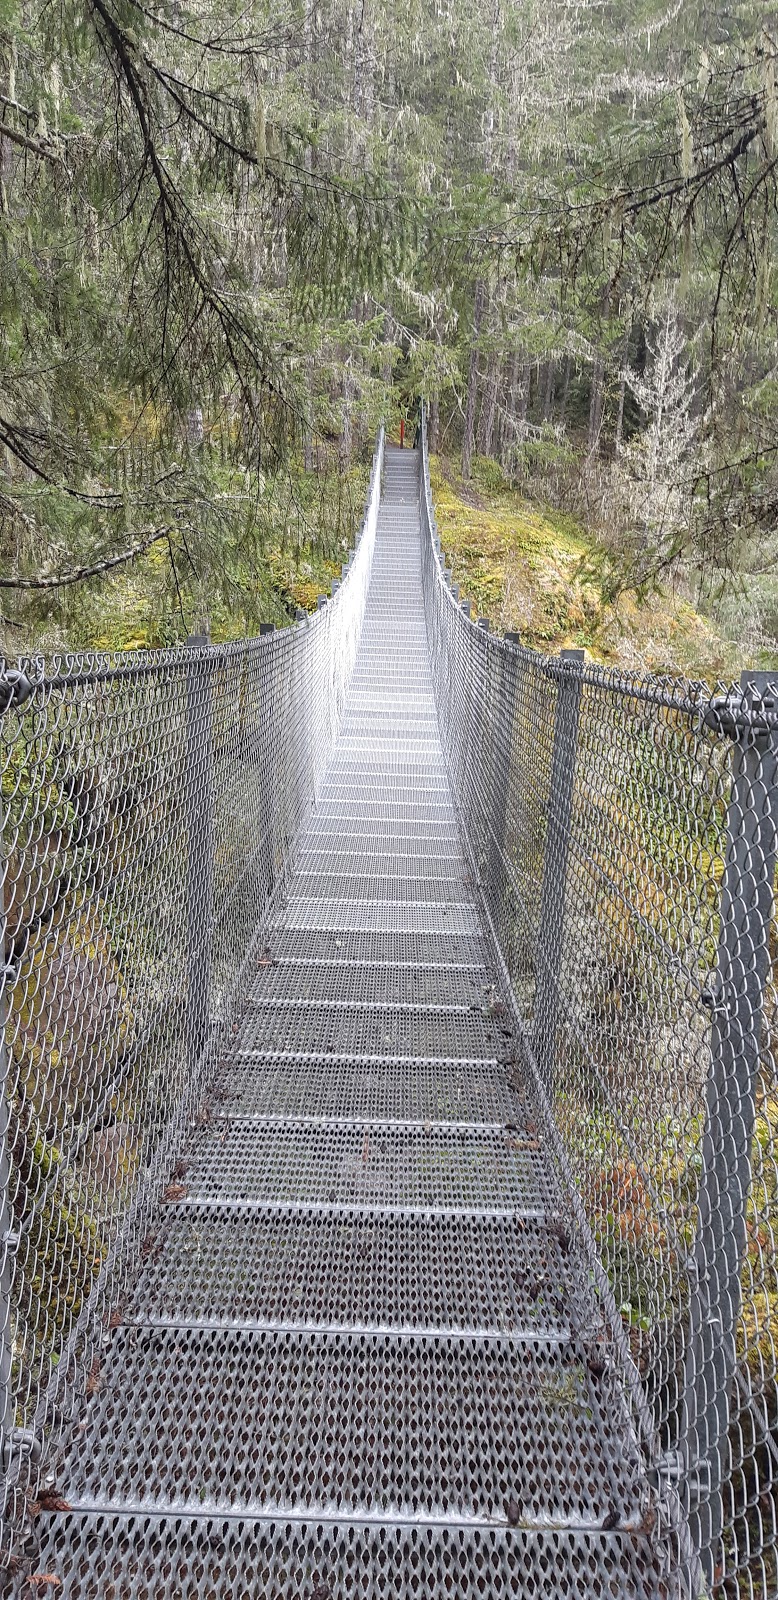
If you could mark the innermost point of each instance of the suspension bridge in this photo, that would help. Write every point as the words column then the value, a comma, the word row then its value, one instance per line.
column 388, row 1165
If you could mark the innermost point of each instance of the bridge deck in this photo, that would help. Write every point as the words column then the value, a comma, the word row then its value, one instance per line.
column 358, row 1360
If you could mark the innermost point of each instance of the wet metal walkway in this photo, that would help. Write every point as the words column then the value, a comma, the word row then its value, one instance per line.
column 361, row 1359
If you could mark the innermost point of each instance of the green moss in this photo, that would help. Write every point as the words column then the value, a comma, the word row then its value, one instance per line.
column 539, row 572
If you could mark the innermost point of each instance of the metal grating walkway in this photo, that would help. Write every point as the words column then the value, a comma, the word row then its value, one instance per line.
column 359, row 1359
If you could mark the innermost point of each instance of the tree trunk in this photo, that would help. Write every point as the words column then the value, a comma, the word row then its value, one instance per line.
column 308, row 427
column 620, row 413
column 512, row 397
column 347, row 433
column 548, row 391
column 489, row 406
column 622, row 395
column 596, row 406
column 386, row 358
column 523, row 396
column 472, row 382
column 503, row 390
column 565, row 386
column 433, row 423
column 194, row 427
column 7, row 148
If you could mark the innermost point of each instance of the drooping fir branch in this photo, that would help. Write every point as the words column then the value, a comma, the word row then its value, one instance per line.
column 717, row 185
column 94, row 569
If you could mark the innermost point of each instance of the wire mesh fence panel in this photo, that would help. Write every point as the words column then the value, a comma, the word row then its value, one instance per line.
column 623, row 832
column 149, row 801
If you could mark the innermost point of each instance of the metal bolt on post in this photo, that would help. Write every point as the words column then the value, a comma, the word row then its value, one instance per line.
column 553, row 894
column 200, row 820
column 737, row 1017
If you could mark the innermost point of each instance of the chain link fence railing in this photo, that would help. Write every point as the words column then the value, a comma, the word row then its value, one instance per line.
column 623, row 835
column 149, row 801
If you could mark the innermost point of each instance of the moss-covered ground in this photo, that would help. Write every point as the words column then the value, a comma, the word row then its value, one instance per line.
column 539, row 572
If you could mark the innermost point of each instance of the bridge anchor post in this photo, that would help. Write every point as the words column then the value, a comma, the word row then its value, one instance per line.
column 736, row 1003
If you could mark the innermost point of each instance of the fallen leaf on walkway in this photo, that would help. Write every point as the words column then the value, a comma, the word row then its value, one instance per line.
column 93, row 1382
column 561, row 1235
column 173, row 1192
column 44, row 1580
column 597, row 1364
column 513, row 1513
column 49, row 1500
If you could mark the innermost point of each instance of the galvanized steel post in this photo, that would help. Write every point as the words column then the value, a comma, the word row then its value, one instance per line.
column 200, row 845
column 7, row 1235
column 737, row 1013
column 550, row 936
column 504, row 723
column 15, row 1441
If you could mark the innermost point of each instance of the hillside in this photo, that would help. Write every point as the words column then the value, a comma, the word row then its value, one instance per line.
column 540, row 573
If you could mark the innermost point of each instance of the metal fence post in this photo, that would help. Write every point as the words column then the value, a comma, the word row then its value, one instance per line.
column 550, row 941
column 737, row 1011
column 201, row 837
column 503, row 737
column 7, row 1235
column 15, row 1442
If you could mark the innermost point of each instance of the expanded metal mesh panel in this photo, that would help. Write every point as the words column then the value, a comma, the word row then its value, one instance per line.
column 376, row 984
column 163, row 1558
column 433, row 887
column 375, row 1030
column 375, row 916
column 391, row 836
column 624, row 833
column 346, row 1425
column 400, row 1273
column 412, row 948
column 342, row 1088
column 401, row 859
column 381, row 1167
column 365, row 722
column 407, row 780
column 403, row 760
column 424, row 815
column 149, row 804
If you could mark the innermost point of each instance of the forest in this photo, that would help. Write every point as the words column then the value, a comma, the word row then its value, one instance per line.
column 235, row 239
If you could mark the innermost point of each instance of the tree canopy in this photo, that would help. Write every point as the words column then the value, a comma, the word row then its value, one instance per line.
column 232, row 239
